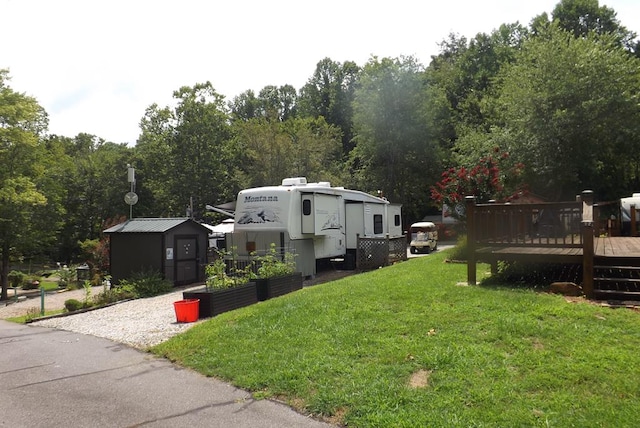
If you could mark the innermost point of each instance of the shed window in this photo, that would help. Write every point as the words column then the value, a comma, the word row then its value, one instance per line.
column 306, row 206
column 396, row 220
column 377, row 224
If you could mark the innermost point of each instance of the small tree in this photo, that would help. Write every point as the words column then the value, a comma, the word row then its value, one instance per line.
column 490, row 179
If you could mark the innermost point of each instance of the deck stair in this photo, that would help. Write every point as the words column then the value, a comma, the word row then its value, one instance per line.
column 616, row 281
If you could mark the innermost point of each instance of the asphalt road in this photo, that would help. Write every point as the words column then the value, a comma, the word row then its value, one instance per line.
column 441, row 246
column 52, row 378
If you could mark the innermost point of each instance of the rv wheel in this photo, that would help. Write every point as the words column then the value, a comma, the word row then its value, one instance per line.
column 413, row 250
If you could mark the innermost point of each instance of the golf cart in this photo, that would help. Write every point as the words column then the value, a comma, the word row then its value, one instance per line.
column 424, row 237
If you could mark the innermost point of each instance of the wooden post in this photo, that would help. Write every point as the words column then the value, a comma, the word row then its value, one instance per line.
column 587, row 243
column 470, row 205
column 632, row 215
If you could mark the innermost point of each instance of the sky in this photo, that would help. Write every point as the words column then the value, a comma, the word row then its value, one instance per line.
column 96, row 65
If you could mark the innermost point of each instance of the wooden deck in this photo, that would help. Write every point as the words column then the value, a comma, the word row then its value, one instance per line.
column 554, row 233
column 618, row 246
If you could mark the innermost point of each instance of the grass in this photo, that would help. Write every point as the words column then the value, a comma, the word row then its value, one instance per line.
column 35, row 313
column 494, row 356
column 49, row 285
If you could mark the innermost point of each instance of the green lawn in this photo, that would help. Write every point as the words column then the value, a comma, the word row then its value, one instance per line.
column 484, row 356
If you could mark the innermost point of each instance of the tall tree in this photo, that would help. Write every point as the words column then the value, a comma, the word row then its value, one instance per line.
column 245, row 106
column 94, row 182
column 273, row 103
column 583, row 17
column 569, row 111
column 197, row 166
column 152, row 162
column 465, row 71
column 273, row 150
column 329, row 93
column 22, row 121
column 397, row 148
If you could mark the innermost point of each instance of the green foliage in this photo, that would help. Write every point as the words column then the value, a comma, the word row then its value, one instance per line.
column 149, row 284
column 329, row 94
column 124, row 291
column 22, row 199
column 396, row 118
column 273, row 264
column 584, row 17
column 172, row 138
column 460, row 251
column 536, row 276
column 16, row 278
column 72, row 305
column 273, row 150
column 568, row 110
column 219, row 278
column 31, row 282
column 67, row 276
column 87, row 293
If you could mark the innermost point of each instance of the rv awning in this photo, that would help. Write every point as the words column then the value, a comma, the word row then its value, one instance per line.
column 220, row 229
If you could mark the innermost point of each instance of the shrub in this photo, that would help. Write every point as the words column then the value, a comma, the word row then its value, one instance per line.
column 16, row 278
column 535, row 275
column 30, row 282
column 67, row 277
column 72, row 305
column 149, row 284
column 124, row 291
column 461, row 250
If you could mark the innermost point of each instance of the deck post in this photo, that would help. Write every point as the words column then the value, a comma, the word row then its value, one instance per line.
column 587, row 243
column 470, row 205
column 632, row 216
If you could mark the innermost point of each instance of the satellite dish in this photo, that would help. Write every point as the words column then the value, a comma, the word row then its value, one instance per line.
column 131, row 198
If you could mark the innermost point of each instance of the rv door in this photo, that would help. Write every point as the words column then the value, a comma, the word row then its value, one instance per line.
column 321, row 214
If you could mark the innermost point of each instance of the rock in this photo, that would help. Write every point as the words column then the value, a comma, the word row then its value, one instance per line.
column 566, row 288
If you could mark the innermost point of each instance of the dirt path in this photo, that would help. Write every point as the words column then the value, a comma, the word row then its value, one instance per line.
column 53, row 300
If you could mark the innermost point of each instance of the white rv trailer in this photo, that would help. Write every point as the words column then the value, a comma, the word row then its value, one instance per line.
column 313, row 220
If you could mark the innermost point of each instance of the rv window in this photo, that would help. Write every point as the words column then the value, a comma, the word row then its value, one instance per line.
column 377, row 224
column 306, row 206
column 396, row 220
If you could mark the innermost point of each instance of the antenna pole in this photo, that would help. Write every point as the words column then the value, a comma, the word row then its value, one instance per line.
column 131, row 177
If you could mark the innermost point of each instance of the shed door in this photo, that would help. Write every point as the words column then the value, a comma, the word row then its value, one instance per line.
column 186, row 254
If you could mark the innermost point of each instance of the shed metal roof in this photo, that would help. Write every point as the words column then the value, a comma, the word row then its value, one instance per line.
column 148, row 225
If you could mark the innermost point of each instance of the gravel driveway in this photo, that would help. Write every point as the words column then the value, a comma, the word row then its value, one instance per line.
column 139, row 323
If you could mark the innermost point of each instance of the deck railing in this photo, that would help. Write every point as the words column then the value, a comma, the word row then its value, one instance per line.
column 548, row 224
column 560, row 225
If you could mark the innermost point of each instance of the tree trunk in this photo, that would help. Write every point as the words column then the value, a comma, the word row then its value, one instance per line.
column 4, row 273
